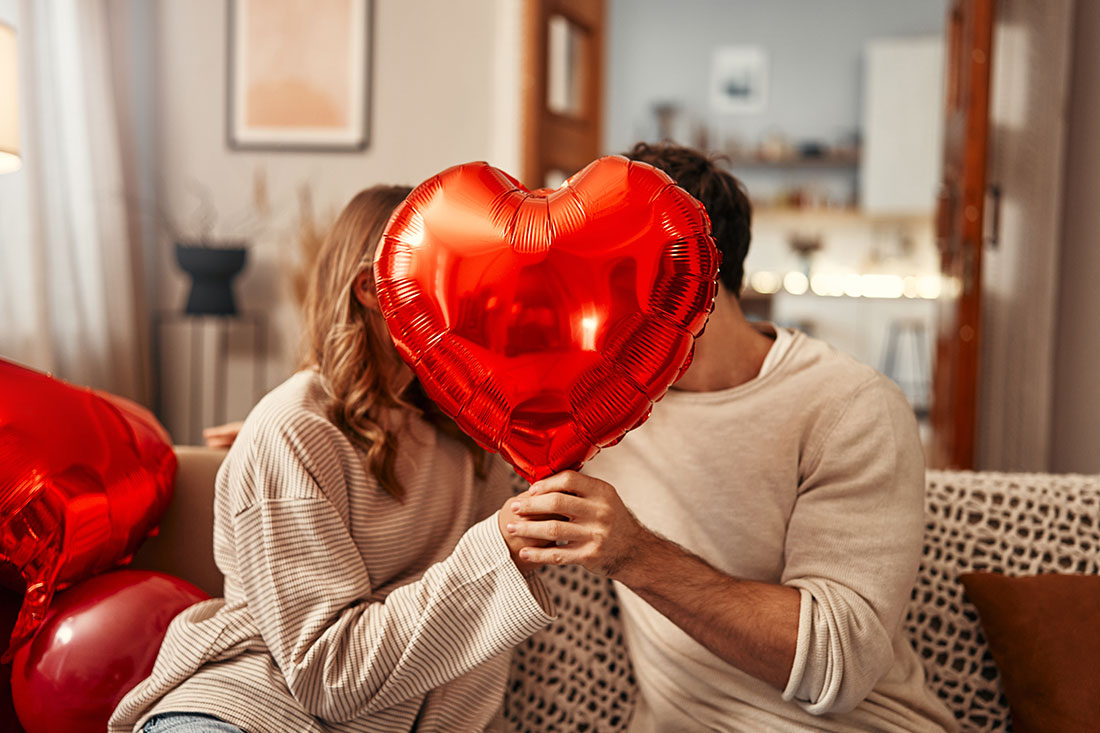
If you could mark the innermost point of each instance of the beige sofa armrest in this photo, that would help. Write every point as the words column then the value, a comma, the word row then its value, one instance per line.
column 185, row 545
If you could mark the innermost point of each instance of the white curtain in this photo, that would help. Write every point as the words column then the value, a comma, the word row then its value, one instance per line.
column 70, row 301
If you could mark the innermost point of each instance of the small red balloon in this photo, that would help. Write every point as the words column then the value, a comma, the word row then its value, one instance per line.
column 546, row 323
column 84, row 478
column 99, row 639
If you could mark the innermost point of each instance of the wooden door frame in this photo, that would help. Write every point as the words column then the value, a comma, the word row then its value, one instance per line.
column 554, row 141
column 959, row 228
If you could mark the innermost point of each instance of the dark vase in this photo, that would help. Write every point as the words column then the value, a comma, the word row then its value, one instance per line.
column 212, row 270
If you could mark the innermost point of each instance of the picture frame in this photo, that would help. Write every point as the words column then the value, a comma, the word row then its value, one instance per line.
column 298, row 74
column 739, row 80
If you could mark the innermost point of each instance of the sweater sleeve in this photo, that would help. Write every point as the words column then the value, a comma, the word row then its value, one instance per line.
column 853, row 547
column 306, row 586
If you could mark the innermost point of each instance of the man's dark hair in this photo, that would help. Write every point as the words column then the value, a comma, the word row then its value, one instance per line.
column 722, row 195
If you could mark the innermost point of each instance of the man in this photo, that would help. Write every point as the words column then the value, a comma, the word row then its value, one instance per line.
column 763, row 527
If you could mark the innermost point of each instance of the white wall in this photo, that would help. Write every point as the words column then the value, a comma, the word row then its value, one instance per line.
column 444, row 90
column 1075, row 431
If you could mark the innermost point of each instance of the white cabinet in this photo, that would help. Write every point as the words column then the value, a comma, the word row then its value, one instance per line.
column 902, row 125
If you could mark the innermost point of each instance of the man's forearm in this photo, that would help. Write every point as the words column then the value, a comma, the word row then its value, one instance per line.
column 750, row 624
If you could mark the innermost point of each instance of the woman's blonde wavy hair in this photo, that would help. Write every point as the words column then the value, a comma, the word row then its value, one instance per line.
column 362, row 375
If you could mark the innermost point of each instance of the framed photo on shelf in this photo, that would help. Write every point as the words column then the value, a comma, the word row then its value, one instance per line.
column 298, row 74
column 739, row 80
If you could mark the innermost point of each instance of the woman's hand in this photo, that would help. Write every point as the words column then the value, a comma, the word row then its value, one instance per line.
column 221, row 436
column 506, row 517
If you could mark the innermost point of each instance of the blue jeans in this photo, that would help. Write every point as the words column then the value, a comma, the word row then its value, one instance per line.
column 187, row 723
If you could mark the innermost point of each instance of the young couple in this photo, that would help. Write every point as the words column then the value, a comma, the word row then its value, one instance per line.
column 763, row 529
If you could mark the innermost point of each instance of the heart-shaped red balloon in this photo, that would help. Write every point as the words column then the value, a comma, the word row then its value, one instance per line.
column 84, row 478
column 546, row 323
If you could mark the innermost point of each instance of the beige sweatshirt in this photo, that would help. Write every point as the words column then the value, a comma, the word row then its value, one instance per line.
column 810, row 475
column 344, row 609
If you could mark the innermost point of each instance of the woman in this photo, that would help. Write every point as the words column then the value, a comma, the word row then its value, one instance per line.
column 368, row 583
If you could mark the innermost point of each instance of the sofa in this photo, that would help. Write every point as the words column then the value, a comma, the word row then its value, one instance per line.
column 575, row 675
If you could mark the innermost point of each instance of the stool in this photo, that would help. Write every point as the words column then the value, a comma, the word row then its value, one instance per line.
column 909, row 330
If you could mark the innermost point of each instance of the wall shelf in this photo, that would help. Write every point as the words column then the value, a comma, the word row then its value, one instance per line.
column 842, row 161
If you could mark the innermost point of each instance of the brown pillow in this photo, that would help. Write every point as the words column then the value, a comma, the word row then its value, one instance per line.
column 1044, row 633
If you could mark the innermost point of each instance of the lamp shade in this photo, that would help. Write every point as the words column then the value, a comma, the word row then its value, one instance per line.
column 9, row 101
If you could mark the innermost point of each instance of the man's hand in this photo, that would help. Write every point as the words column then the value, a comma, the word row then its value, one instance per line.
column 593, row 528
column 506, row 517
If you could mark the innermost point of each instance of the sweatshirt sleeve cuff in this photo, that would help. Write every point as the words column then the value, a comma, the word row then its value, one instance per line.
column 527, row 597
column 802, row 648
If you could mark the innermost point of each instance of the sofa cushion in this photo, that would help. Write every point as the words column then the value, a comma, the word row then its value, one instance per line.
column 1011, row 523
column 574, row 675
column 1042, row 633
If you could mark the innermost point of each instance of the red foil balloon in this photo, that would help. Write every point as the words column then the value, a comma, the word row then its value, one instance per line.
column 9, row 611
column 546, row 323
column 99, row 639
column 84, row 478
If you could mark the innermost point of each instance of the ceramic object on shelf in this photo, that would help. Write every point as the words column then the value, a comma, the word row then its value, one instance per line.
column 212, row 270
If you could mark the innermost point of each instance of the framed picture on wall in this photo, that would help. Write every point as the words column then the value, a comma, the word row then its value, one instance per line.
column 298, row 74
column 739, row 80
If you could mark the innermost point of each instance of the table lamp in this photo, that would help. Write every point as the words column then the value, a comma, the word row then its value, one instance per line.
column 9, row 101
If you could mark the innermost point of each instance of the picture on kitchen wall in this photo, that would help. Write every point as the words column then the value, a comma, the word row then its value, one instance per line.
column 298, row 74
column 739, row 80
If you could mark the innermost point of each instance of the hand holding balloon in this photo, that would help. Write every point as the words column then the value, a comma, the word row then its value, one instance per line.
column 505, row 518
column 592, row 526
